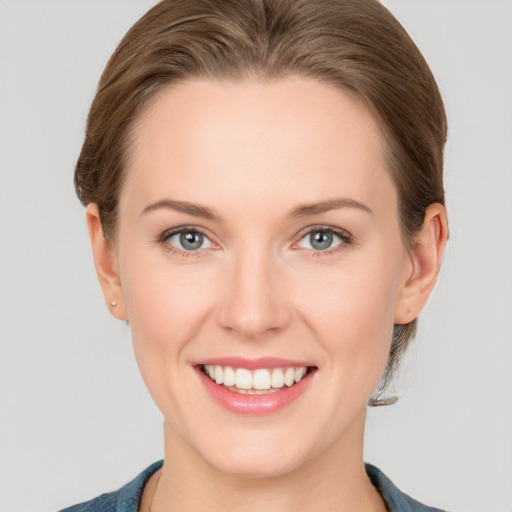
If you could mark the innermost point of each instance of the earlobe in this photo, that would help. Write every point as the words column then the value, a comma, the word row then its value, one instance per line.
column 105, row 262
column 425, row 254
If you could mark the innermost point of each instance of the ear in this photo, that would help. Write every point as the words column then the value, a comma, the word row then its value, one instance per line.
column 105, row 261
column 425, row 258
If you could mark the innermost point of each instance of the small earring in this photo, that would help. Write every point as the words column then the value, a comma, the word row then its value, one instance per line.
column 113, row 304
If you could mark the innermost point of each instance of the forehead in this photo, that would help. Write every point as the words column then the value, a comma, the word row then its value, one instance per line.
column 293, row 138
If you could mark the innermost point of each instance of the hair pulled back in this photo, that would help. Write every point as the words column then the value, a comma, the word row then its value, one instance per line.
column 355, row 45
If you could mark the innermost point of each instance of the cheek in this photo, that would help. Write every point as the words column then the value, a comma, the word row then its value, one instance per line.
column 163, row 300
column 166, row 309
column 166, row 305
column 354, row 315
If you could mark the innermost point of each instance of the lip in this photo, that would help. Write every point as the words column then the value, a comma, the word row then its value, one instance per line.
column 262, row 362
column 254, row 405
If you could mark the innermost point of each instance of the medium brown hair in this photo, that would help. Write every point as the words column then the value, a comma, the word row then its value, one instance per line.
column 355, row 45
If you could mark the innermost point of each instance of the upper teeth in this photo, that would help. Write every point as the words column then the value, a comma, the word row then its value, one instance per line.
column 262, row 378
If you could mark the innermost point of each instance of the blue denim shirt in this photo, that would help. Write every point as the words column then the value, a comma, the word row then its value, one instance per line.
column 127, row 498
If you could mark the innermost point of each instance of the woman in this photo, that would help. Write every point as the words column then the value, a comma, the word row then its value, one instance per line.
column 263, row 183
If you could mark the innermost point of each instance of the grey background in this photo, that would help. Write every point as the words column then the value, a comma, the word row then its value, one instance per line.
column 75, row 418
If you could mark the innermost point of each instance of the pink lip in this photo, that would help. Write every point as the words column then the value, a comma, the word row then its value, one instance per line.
column 254, row 405
column 262, row 362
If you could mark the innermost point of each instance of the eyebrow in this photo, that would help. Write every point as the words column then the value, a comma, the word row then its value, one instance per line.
column 185, row 207
column 303, row 210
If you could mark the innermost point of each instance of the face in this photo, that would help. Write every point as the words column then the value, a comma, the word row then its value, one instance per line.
column 258, row 240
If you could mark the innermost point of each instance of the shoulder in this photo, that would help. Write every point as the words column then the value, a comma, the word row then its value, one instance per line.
column 128, row 497
column 125, row 499
column 395, row 499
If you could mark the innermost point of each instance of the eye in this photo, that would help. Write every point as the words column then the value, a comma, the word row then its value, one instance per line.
column 188, row 240
column 323, row 239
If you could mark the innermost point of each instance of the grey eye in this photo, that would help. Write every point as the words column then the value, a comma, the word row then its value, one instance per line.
column 189, row 240
column 320, row 240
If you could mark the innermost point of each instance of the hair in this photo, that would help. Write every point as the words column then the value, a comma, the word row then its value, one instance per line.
column 354, row 45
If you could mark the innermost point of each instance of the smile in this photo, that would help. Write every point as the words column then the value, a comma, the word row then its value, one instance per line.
column 256, row 381
column 255, row 387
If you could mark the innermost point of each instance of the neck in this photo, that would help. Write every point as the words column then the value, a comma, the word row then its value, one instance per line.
column 332, row 480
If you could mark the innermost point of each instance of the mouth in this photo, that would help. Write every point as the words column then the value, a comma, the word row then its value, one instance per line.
column 255, row 387
column 258, row 381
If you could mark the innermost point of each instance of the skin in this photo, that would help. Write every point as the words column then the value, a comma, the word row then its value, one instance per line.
column 253, row 152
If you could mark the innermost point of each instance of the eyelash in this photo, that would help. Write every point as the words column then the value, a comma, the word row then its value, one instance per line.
column 346, row 239
column 164, row 237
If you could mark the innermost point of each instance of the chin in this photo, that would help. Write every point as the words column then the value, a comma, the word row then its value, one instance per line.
column 262, row 456
column 245, row 465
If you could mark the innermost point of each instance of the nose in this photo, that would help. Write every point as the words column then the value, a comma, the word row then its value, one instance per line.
column 254, row 300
